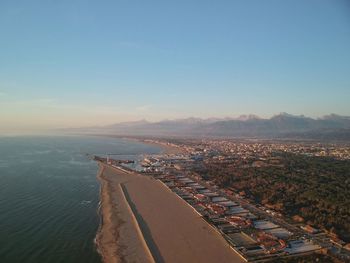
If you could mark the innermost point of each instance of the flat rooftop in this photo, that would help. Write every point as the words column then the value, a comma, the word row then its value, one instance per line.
column 241, row 239
column 264, row 225
column 301, row 246
column 237, row 210
column 279, row 232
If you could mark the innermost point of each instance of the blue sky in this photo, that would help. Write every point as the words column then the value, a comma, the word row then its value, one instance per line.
column 76, row 63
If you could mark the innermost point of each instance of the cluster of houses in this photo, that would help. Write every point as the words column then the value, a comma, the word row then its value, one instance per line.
column 253, row 237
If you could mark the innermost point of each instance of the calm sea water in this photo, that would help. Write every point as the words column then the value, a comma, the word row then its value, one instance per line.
column 49, row 196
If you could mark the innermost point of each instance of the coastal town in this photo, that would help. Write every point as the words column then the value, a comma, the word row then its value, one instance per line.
column 257, row 231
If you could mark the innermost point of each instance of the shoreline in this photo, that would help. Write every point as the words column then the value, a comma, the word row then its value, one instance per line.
column 99, row 236
column 156, row 211
column 99, row 213
column 167, row 148
column 119, row 237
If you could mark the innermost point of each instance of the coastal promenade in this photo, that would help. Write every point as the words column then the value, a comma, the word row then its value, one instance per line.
column 166, row 228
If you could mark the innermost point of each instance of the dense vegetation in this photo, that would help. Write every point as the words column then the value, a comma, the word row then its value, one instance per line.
column 314, row 258
column 315, row 188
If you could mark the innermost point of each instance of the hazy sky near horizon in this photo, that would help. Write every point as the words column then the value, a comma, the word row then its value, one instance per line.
column 74, row 63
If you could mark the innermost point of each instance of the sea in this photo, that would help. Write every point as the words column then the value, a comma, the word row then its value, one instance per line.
column 49, row 196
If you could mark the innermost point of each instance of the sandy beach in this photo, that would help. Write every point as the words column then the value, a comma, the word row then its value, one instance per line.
column 166, row 148
column 119, row 238
column 167, row 228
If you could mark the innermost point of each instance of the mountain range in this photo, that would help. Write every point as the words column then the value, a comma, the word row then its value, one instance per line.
column 284, row 125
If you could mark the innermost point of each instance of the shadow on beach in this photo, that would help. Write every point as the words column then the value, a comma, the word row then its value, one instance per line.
column 144, row 228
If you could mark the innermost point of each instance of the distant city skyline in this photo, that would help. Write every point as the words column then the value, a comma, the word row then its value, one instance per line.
column 73, row 63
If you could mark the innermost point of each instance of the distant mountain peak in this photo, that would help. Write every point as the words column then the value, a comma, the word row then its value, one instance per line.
column 279, row 126
column 334, row 116
column 245, row 117
column 288, row 115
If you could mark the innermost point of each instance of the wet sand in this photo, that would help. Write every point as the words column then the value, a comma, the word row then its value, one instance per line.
column 119, row 238
column 172, row 230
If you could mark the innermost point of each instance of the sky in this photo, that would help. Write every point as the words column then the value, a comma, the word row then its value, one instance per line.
column 73, row 63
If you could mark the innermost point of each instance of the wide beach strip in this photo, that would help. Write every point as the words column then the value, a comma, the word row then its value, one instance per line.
column 173, row 231
column 119, row 238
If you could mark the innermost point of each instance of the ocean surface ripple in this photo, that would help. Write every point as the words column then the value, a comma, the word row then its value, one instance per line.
column 49, row 196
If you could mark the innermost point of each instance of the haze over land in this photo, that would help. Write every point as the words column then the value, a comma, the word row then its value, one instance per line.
column 72, row 64
column 283, row 125
column 179, row 104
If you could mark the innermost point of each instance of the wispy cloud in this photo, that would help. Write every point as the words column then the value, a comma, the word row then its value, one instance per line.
column 144, row 108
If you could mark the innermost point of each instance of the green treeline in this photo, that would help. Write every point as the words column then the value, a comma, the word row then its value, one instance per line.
column 314, row 258
column 314, row 188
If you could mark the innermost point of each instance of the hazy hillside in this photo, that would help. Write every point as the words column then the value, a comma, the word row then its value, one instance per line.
column 279, row 126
